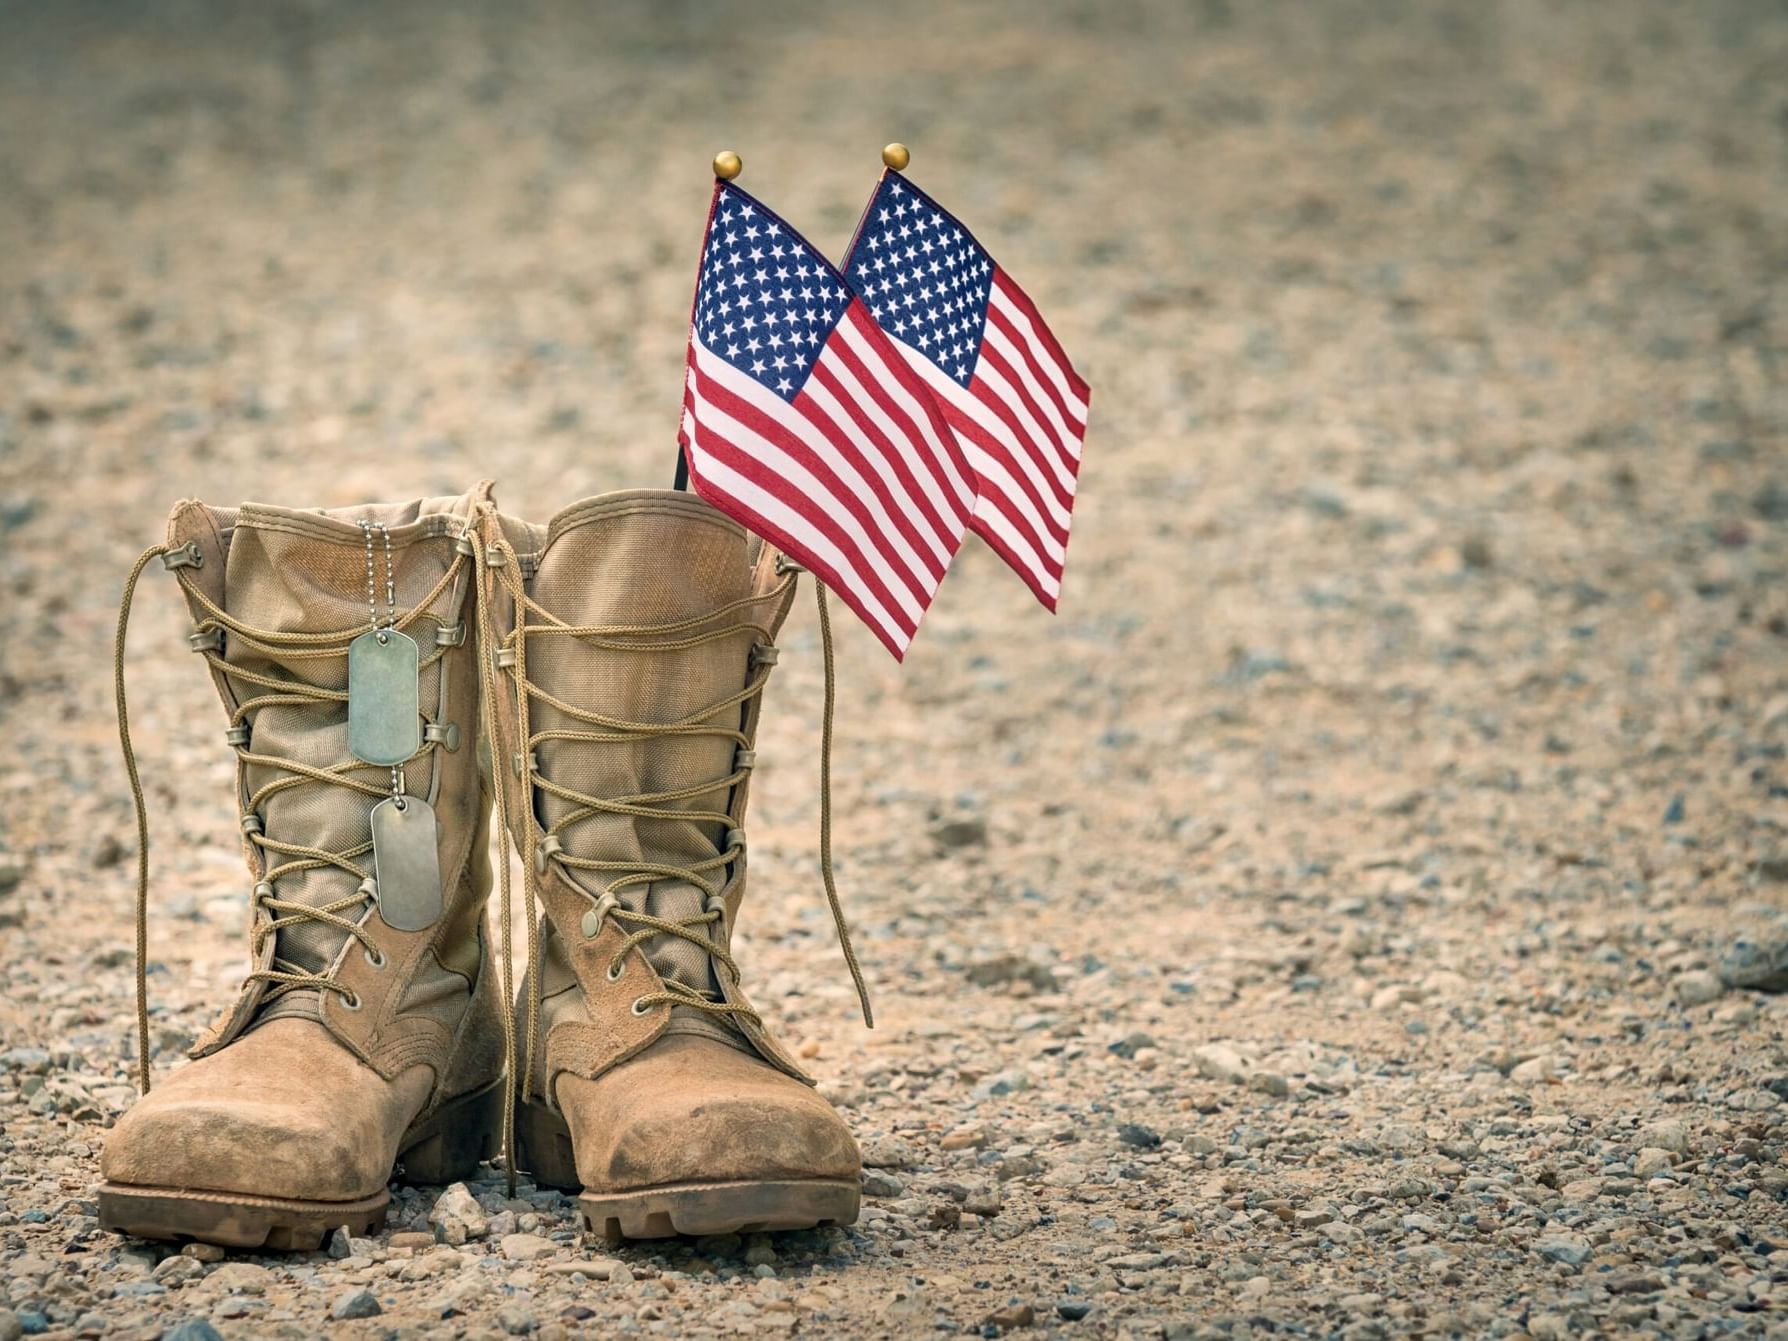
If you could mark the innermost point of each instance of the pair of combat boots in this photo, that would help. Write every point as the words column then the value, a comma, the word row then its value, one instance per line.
column 599, row 681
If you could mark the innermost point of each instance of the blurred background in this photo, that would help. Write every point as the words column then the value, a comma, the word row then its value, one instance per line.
column 1426, row 612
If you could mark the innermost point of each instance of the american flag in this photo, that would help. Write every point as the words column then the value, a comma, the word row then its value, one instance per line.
column 802, row 421
column 1003, row 382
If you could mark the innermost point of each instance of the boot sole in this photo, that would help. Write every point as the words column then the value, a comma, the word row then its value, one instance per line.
column 444, row 1148
column 543, row 1147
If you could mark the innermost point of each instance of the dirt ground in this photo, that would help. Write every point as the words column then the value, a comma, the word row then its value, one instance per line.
column 1346, row 918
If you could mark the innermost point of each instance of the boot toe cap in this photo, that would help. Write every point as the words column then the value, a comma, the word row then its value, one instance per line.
column 695, row 1111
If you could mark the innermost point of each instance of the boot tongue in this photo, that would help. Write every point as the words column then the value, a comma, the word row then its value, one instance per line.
column 305, row 572
column 644, row 559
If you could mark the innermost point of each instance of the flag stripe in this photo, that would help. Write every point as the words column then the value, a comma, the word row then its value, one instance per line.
column 810, row 520
column 992, row 385
column 817, row 436
column 828, row 405
column 1035, row 361
column 853, row 381
column 1017, row 304
column 781, row 454
column 1022, row 373
column 1045, row 583
column 991, row 462
column 971, row 406
column 866, row 340
column 772, row 517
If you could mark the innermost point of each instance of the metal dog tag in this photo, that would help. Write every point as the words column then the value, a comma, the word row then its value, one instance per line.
column 406, row 867
column 384, row 697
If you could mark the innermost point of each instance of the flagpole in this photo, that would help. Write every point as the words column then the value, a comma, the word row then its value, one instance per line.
column 727, row 165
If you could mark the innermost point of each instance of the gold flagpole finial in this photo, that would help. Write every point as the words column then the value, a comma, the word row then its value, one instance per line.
column 897, row 156
column 727, row 165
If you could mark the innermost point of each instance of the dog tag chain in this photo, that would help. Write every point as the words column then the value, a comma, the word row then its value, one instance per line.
column 385, row 727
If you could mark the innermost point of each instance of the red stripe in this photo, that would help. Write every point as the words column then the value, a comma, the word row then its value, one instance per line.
column 971, row 428
column 997, row 403
column 901, row 508
column 1047, row 336
column 948, row 535
column 939, row 442
column 1015, row 563
column 988, row 489
column 1051, row 444
column 748, row 516
column 760, row 474
column 1028, row 351
column 1000, row 503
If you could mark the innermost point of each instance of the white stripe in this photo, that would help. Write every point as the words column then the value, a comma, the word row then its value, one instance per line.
column 1051, row 368
column 822, row 396
column 945, row 463
column 802, row 481
column 997, row 481
column 1043, row 447
column 1066, row 438
column 843, row 465
column 991, row 517
column 949, row 389
column 732, row 484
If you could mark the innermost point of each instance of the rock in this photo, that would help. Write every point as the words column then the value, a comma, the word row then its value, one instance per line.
column 959, row 832
column 203, row 1252
column 983, row 1200
column 516, row 1321
column 1136, row 1135
column 412, row 1239
column 240, row 1278
column 1012, row 1316
column 1653, row 1159
column 1219, row 1061
column 1535, row 1071
column 177, row 1270
column 879, row 1184
column 964, row 1138
column 1073, row 1310
column 1697, row 987
column 11, row 1329
column 438, row 1262
column 759, row 1251
column 1667, row 1134
column 527, row 1247
column 1759, row 961
column 360, row 1303
column 1571, row 1249
column 192, row 1329
column 457, row 1216
column 888, row 1152
column 1269, row 1082
column 341, row 1243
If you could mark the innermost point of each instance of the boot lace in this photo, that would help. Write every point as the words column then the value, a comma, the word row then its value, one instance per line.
column 281, row 858
column 533, row 621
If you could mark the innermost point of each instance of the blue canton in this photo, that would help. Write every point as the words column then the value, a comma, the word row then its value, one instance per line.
column 926, row 281
column 764, row 302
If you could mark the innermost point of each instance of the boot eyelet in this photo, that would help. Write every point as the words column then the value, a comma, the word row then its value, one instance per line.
column 374, row 956
column 641, row 1005
column 351, row 1001
column 616, row 972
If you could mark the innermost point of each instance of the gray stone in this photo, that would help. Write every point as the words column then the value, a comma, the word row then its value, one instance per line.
column 1571, row 1249
column 191, row 1329
column 360, row 1303
column 1697, row 987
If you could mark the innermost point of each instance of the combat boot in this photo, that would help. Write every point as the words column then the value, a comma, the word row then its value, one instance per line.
column 628, row 706
column 369, row 1031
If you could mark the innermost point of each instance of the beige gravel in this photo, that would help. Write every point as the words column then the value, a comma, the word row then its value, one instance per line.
column 1342, row 920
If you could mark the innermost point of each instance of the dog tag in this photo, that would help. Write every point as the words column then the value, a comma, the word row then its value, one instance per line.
column 406, row 867
column 384, row 697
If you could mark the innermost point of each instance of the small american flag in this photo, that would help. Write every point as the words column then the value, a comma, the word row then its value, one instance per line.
column 802, row 421
column 1003, row 382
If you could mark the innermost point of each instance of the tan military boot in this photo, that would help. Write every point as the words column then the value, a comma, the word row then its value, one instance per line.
column 628, row 712
column 369, row 1032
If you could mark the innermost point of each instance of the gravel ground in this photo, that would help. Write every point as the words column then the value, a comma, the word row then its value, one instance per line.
column 1359, row 913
